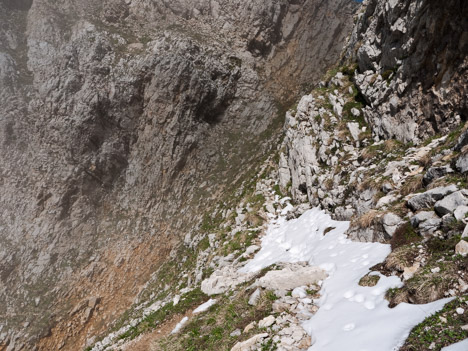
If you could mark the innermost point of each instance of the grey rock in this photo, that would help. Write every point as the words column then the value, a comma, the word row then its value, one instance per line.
column 429, row 226
column 253, row 299
column 292, row 276
column 387, row 187
column 384, row 35
column 390, row 223
column 462, row 248
column 430, row 197
column 373, row 233
column 461, row 163
column 450, row 203
column 465, row 232
column 462, row 141
column 354, row 130
column 434, row 173
column 460, row 212
column 422, row 216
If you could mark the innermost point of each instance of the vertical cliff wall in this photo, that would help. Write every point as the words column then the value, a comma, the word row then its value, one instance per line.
column 121, row 122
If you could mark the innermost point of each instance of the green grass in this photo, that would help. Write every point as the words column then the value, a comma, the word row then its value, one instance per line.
column 437, row 332
column 151, row 321
column 210, row 331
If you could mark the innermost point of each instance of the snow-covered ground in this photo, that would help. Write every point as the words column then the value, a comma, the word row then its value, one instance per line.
column 350, row 317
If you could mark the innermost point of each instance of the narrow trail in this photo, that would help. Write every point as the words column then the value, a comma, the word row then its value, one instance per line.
column 350, row 317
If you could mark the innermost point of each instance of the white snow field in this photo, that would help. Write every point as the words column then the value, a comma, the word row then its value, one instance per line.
column 459, row 346
column 350, row 317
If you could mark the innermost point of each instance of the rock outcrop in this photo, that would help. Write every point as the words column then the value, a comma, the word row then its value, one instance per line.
column 412, row 67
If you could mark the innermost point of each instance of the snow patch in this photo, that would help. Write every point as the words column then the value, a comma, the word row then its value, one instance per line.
column 179, row 325
column 350, row 317
column 205, row 306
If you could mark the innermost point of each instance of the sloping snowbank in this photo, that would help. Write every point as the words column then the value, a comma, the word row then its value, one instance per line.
column 350, row 317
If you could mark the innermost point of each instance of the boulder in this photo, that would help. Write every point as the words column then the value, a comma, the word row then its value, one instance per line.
column 460, row 212
column 462, row 163
column 430, row 226
column 254, row 297
column 246, row 345
column 224, row 279
column 462, row 248
column 430, row 197
column 291, row 277
column 450, row 203
column 266, row 322
column 434, row 173
column 421, row 217
column 465, row 232
column 462, row 141
column 390, row 223
column 354, row 130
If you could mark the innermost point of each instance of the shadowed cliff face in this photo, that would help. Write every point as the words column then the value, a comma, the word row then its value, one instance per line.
column 121, row 122
column 419, row 48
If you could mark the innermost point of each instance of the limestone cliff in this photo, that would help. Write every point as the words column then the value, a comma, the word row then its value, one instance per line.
column 121, row 123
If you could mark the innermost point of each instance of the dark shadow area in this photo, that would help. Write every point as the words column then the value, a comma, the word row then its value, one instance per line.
column 22, row 5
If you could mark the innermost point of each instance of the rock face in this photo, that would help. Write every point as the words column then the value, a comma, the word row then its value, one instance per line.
column 412, row 66
column 122, row 121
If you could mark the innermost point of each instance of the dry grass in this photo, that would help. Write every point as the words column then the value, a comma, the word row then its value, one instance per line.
column 401, row 257
column 390, row 145
column 369, row 280
column 367, row 184
column 425, row 160
column 368, row 154
column 412, row 185
column 367, row 219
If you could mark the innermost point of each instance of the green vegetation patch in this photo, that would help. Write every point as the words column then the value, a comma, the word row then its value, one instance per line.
column 441, row 329
column 151, row 321
column 211, row 331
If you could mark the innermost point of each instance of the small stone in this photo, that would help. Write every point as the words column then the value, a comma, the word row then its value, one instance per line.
column 465, row 327
column 435, row 270
column 250, row 326
column 236, row 332
column 443, row 319
column 355, row 112
column 460, row 310
column 266, row 322
column 408, row 272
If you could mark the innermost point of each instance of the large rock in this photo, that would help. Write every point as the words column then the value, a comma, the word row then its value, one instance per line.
column 421, row 217
column 390, row 223
column 291, row 277
column 434, row 173
column 224, row 279
column 462, row 248
column 430, row 197
column 248, row 344
column 462, row 162
column 450, row 203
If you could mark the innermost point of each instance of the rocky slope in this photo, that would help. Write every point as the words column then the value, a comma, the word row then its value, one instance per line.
column 122, row 123
column 135, row 135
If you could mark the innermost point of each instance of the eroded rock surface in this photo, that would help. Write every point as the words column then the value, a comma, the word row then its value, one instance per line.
column 121, row 121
